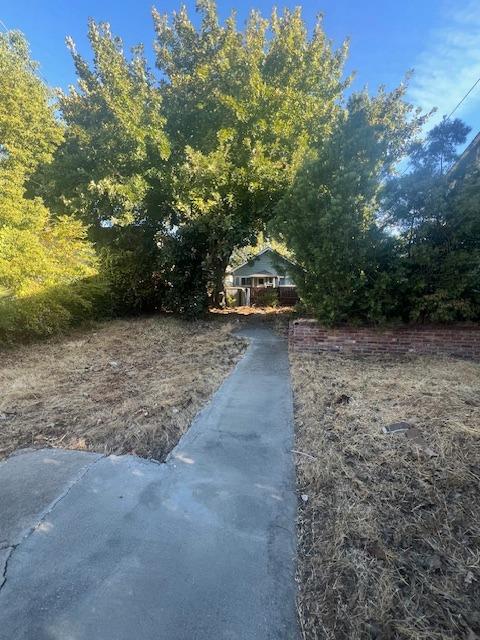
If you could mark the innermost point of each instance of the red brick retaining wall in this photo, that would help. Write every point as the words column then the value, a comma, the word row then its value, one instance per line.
column 310, row 336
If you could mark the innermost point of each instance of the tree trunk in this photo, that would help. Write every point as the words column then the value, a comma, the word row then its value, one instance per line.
column 218, row 292
column 218, row 284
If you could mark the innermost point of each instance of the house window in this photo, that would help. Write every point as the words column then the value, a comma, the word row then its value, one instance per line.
column 261, row 280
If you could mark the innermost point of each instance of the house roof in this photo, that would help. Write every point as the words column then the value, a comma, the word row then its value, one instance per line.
column 470, row 155
column 260, row 253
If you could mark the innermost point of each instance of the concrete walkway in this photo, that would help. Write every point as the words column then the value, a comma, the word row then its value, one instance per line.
column 199, row 548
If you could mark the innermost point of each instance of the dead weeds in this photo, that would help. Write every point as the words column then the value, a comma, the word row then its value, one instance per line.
column 128, row 386
column 278, row 318
column 389, row 525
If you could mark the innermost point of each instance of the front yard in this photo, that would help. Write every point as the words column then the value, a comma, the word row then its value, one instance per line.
column 128, row 386
column 389, row 524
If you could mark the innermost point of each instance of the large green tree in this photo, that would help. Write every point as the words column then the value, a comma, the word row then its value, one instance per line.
column 197, row 159
column 437, row 216
column 37, row 251
column 242, row 108
column 113, row 151
column 114, row 138
column 328, row 216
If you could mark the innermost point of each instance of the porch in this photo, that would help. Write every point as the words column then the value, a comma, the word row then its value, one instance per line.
column 246, row 295
column 258, row 280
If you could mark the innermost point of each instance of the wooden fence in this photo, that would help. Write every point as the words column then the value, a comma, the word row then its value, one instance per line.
column 284, row 296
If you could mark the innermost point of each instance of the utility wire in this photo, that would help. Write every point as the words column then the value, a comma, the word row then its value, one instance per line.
column 463, row 99
column 449, row 116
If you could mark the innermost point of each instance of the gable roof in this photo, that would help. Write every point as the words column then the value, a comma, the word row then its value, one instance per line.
column 260, row 253
column 469, row 156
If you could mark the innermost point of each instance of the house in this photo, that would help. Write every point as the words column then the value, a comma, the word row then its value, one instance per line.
column 267, row 270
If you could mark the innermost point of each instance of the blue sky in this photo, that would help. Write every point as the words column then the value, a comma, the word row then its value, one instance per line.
column 440, row 39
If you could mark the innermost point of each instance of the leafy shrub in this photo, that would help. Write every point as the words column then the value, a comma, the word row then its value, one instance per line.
column 267, row 297
column 232, row 300
column 51, row 311
column 132, row 285
column 181, row 271
column 48, row 267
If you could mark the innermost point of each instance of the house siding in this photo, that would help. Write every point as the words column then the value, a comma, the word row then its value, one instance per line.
column 267, row 262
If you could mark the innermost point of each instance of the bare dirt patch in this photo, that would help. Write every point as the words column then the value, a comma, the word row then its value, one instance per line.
column 389, row 524
column 130, row 386
column 278, row 318
column 256, row 312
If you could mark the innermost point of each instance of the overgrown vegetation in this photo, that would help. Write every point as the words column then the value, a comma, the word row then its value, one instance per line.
column 46, row 260
column 389, row 529
column 142, row 183
column 126, row 386
column 267, row 297
column 374, row 247
column 190, row 168
column 328, row 216
column 437, row 212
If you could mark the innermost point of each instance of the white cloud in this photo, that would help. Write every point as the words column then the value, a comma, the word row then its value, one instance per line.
column 450, row 63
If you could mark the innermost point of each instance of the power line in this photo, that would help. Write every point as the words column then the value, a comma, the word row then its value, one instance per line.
column 450, row 115
column 463, row 99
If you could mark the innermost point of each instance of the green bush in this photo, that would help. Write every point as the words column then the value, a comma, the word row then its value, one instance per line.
column 181, row 273
column 267, row 297
column 52, row 311
column 130, row 275
column 232, row 300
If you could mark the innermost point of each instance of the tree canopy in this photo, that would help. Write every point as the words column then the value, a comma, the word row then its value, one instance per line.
column 327, row 218
column 242, row 108
column 201, row 154
column 37, row 252
column 156, row 177
column 439, row 230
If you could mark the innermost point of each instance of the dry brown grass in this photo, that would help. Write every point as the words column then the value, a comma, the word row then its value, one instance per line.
column 389, row 538
column 256, row 312
column 278, row 318
column 130, row 386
